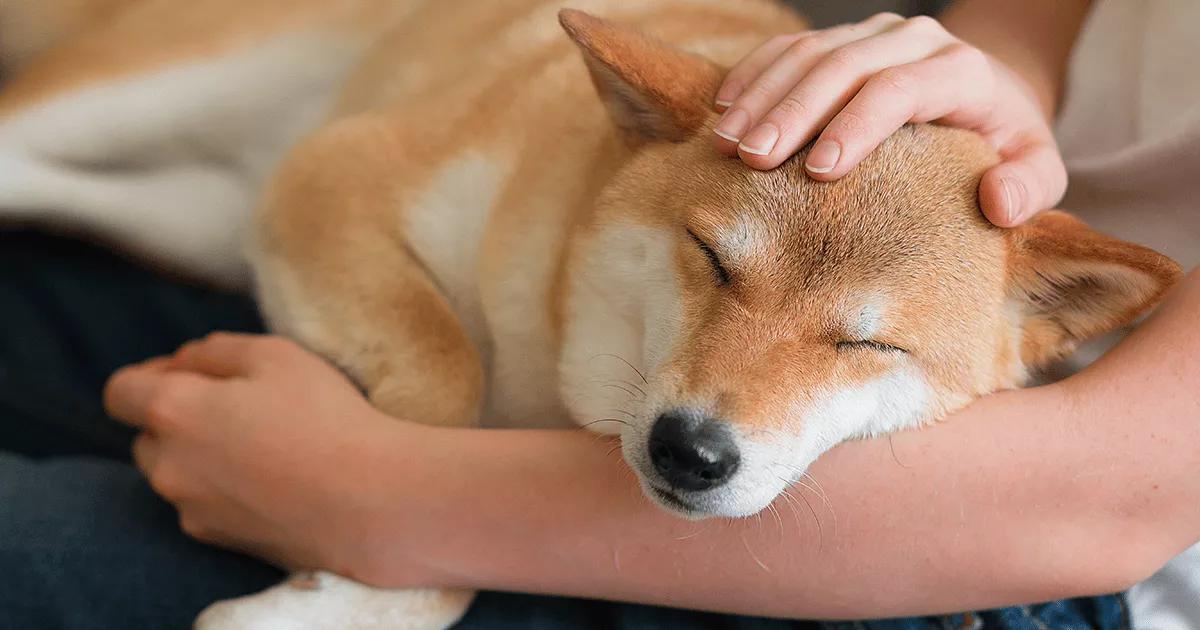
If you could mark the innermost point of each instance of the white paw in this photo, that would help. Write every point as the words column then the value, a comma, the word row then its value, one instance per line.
column 323, row 601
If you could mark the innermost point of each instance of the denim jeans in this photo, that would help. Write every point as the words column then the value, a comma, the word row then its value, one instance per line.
column 85, row 544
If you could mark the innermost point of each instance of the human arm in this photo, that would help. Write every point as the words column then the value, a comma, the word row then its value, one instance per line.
column 1081, row 487
column 993, row 66
column 1030, row 37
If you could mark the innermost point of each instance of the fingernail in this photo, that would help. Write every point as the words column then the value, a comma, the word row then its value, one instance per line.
column 760, row 141
column 727, row 94
column 1014, row 198
column 823, row 157
column 733, row 125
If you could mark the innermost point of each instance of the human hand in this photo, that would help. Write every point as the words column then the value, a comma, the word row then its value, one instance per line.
column 260, row 445
column 856, row 84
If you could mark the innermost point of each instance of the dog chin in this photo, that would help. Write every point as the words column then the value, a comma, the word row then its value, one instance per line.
column 689, row 508
column 673, row 504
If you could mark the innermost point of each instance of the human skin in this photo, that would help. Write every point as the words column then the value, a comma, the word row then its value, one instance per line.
column 1063, row 490
column 993, row 66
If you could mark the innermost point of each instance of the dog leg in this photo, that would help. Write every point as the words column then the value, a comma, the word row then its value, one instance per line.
column 334, row 274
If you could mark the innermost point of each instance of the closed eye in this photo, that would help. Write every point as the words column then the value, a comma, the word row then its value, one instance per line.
column 722, row 274
column 868, row 344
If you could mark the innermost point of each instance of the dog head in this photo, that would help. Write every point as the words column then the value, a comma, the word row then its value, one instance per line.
column 740, row 323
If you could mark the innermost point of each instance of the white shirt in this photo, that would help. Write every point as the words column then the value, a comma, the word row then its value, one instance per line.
column 1130, row 133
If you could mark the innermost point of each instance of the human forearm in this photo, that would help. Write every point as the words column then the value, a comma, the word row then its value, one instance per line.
column 1032, row 37
column 555, row 514
column 1023, row 496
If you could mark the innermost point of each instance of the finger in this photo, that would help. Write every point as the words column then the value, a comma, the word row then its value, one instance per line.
column 773, row 79
column 146, row 450
column 790, row 66
column 953, row 82
column 1031, row 179
column 154, row 399
column 157, row 364
column 751, row 66
column 130, row 389
column 830, row 86
column 222, row 354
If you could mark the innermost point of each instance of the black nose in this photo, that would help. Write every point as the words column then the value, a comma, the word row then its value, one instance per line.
column 692, row 452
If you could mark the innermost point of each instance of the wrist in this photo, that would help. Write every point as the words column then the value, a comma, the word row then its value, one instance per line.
column 495, row 509
column 1032, row 38
column 381, row 496
column 1041, row 95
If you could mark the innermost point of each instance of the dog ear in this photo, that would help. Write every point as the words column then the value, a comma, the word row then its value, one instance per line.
column 653, row 91
column 1070, row 283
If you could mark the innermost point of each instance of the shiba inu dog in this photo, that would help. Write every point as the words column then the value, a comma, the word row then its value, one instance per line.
column 461, row 206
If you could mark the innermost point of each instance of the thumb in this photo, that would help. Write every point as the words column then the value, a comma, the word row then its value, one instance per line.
column 223, row 355
column 1032, row 178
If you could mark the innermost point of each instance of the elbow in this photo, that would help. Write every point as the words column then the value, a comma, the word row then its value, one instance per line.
column 1114, row 571
column 1130, row 555
column 1147, row 530
column 1125, row 569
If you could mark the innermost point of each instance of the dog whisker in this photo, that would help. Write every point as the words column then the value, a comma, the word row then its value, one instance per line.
column 753, row 557
column 892, row 448
column 824, row 500
column 791, row 503
column 622, row 360
column 617, row 420
column 824, row 497
column 816, row 518
column 634, row 385
column 778, row 519
column 620, row 381
column 815, row 488
column 632, row 394
column 807, row 475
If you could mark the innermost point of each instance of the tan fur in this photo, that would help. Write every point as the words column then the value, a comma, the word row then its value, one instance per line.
column 412, row 357
column 28, row 27
column 472, row 224
column 828, row 242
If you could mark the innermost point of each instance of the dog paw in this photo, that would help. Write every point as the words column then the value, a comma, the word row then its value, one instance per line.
column 323, row 601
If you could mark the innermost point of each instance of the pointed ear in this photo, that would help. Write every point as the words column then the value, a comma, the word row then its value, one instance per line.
column 653, row 91
column 1070, row 283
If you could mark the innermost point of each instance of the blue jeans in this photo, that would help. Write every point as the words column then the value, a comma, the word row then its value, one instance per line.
column 85, row 544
